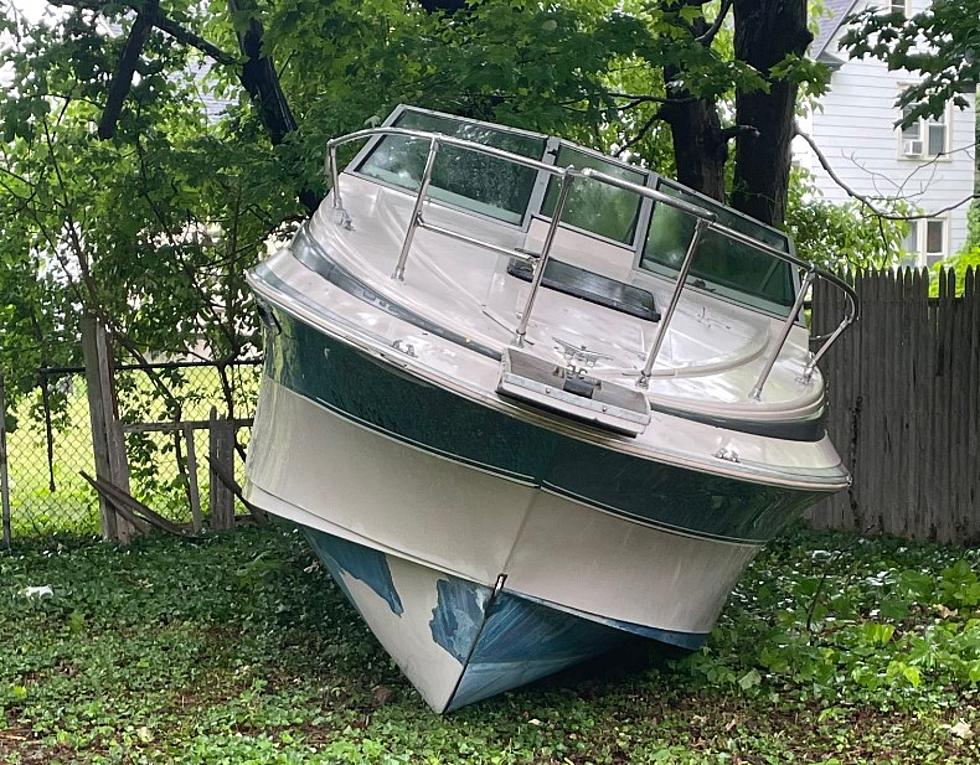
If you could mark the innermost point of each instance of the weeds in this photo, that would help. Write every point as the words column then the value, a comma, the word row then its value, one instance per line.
column 239, row 649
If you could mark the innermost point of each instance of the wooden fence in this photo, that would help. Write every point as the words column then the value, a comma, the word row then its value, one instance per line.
column 904, row 395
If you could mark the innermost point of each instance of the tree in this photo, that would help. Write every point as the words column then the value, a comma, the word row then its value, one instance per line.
column 125, row 192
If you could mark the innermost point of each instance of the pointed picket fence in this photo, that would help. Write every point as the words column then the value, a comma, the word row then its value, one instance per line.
column 904, row 395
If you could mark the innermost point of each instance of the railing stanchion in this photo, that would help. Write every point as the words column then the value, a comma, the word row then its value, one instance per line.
column 704, row 218
column 341, row 216
column 413, row 222
column 334, row 177
column 808, row 370
column 542, row 264
column 756, row 393
column 692, row 247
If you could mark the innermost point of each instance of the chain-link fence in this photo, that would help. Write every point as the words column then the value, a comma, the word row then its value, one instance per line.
column 49, row 441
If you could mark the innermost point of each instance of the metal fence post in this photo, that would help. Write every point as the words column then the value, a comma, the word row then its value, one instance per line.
column 4, row 485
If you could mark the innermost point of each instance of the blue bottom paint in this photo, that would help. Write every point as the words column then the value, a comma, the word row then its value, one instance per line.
column 502, row 640
column 363, row 563
column 458, row 616
column 522, row 641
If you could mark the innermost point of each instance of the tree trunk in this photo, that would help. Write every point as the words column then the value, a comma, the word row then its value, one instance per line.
column 766, row 31
column 700, row 149
column 259, row 77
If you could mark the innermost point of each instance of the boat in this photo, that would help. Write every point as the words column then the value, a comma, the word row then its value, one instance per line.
column 529, row 402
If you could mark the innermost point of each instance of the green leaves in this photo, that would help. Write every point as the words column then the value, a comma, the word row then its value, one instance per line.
column 939, row 45
column 236, row 649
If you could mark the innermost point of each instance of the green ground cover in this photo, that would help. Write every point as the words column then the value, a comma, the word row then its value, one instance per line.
column 238, row 649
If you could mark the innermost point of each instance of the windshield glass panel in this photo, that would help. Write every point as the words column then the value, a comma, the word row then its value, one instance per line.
column 595, row 206
column 736, row 269
column 477, row 182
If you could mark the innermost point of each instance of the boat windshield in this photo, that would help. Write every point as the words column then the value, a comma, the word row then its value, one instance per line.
column 597, row 207
column 725, row 266
column 476, row 182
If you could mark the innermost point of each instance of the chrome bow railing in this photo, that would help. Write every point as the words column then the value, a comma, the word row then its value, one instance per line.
column 704, row 220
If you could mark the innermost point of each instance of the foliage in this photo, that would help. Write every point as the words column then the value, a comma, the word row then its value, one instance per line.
column 972, row 228
column 152, row 231
column 840, row 236
column 154, row 228
column 239, row 649
column 939, row 45
column 958, row 265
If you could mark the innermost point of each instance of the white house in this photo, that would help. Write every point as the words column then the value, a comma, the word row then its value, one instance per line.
column 931, row 164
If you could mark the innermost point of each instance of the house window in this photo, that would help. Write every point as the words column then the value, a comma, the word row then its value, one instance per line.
column 926, row 242
column 899, row 6
column 926, row 137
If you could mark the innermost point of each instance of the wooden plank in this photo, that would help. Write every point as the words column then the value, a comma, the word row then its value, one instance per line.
column 971, row 296
column 905, row 478
column 169, row 427
column 221, row 457
column 921, row 392
column 971, row 382
column 945, row 529
column 193, row 492
column 97, row 419
column 132, row 509
column 256, row 513
column 4, row 482
column 890, row 372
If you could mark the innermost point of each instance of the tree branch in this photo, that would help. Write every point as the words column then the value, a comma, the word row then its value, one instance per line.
column 122, row 78
column 708, row 37
column 869, row 202
column 447, row 6
column 645, row 128
column 733, row 131
column 193, row 40
column 165, row 24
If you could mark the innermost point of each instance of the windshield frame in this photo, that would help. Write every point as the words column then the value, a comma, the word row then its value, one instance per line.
column 533, row 210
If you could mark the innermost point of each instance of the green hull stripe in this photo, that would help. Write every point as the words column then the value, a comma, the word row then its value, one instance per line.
column 373, row 394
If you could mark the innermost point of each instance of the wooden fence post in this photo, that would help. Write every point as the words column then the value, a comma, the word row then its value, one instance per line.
column 221, row 438
column 108, row 443
column 192, row 488
column 4, row 485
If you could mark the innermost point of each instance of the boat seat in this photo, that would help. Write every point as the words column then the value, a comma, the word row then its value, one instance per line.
column 588, row 285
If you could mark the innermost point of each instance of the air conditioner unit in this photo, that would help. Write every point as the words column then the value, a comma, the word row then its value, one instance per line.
column 912, row 147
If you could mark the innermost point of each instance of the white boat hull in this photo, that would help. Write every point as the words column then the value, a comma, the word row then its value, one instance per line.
column 433, row 519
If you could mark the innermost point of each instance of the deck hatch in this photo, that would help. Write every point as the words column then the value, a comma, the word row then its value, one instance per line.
column 571, row 392
column 588, row 285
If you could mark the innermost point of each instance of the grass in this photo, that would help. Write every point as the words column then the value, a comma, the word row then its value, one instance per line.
column 239, row 649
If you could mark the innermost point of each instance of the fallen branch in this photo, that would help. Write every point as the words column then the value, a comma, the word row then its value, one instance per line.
column 132, row 509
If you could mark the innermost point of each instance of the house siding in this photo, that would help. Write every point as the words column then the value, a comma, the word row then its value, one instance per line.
column 854, row 128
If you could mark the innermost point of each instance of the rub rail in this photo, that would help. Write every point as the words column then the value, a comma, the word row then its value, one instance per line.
column 704, row 219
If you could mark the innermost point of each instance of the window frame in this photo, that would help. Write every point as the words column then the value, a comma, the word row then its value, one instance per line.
column 906, row 9
column 353, row 167
column 923, row 124
column 533, row 211
column 713, row 289
column 921, row 253
column 644, row 210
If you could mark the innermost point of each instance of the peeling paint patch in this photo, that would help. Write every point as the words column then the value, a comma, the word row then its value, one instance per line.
column 363, row 563
column 458, row 615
